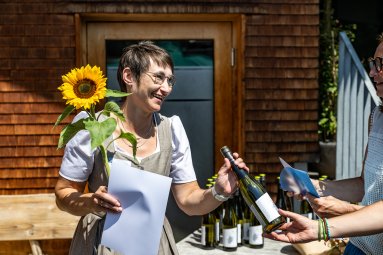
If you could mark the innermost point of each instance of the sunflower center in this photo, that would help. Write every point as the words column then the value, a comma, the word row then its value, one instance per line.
column 85, row 88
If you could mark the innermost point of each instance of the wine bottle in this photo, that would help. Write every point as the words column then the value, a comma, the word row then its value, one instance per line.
column 306, row 210
column 262, row 180
column 281, row 199
column 256, row 240
column 229, row 227
column 246, row 222
column 255, row 196
column 208, row 228
column 218, row 213
column 239, row 214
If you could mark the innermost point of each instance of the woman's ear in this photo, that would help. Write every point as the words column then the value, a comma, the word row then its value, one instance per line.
column 128, row 78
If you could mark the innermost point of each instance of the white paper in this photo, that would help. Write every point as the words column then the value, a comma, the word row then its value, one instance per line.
column 143, row 196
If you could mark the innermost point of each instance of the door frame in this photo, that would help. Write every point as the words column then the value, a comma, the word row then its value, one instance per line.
column 228, row 130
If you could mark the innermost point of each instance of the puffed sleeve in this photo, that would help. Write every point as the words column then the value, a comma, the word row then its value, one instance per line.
column 182, row 170
column 77, row 162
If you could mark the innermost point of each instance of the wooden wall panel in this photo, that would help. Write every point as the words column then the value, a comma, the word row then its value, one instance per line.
column 281, row 62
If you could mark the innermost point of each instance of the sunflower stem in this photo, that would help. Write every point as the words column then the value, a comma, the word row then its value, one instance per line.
column 92, row 111
column 134, row 146
column 105, row 159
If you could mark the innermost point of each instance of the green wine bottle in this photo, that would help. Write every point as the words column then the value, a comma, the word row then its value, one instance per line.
column 282, row 199
column 229, row 227
column 305, row 209
column 218, row 213
column 239, row 214
column 256, row 197
column 256, row 240
column 208, row 228
column 246, row 222
column 262, row 180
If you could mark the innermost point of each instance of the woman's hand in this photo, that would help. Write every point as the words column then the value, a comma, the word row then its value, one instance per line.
column 106, row 202
column 301, row 197
column 327, row 207
column 299, row 230
column 227, row 183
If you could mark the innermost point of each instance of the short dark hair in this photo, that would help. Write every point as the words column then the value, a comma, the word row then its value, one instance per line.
column 137, row 57
column 380, row 38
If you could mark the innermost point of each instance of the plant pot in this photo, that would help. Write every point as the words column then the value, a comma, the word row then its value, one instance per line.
column 327, row 161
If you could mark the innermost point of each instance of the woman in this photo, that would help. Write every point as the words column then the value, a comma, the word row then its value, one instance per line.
column 146, row 71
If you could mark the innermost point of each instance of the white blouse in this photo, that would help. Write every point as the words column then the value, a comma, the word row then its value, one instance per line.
column 77, row 163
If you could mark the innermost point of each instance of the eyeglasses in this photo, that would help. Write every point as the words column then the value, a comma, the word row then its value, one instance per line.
column 375, row 62
column 159, row 78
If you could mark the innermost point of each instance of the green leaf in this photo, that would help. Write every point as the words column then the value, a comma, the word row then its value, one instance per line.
column 68, row 110
column 131, row 139
column 99, row 131
column 116, row 93
column 323, row 121
column 114, row 108
column 70, row 131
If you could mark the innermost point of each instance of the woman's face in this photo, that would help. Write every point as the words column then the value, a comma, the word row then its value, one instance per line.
column 375, row 75
column 152, row 89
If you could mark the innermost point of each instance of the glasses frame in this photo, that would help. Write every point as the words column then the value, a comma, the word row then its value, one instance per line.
column 159, row 78
column 376, row 62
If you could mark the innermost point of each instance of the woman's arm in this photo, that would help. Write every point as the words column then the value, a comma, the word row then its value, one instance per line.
column 70, row 198
column 366, row 221
column 193, row 200
column 351, row 190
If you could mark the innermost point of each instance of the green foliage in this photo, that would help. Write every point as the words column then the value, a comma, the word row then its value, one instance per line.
column 328, row 69
column 70, row 131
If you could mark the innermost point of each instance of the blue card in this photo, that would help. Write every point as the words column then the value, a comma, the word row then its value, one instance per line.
column 295, row 180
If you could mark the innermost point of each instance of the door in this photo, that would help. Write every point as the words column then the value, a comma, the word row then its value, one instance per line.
column 204, row 93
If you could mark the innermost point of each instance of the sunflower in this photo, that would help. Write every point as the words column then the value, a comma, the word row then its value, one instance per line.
column 83, row 87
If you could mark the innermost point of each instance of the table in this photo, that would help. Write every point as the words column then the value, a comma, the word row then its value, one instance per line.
column 191, row 245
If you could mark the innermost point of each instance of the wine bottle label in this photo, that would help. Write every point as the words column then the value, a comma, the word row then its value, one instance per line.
column 216, row 231
column 203, row 235
column 245, row 232
column 267, row 207
column 229, row 237
column 255, row 235
column 239, row 233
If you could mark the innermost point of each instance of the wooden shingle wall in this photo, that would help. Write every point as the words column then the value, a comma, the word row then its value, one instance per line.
column 281, row 71
column 37, row 46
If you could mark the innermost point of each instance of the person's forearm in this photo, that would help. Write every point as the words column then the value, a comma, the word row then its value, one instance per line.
column 366, row 221
column 351, row 190
column 75, row 202
column 199, row 202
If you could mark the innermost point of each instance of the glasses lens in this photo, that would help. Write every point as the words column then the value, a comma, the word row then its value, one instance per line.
column 378, row 64
column 159, row 78
column 371, row 64
column 375, row 63
column 171, row 81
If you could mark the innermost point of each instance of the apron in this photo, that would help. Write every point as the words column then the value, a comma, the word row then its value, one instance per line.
column 87, row 237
